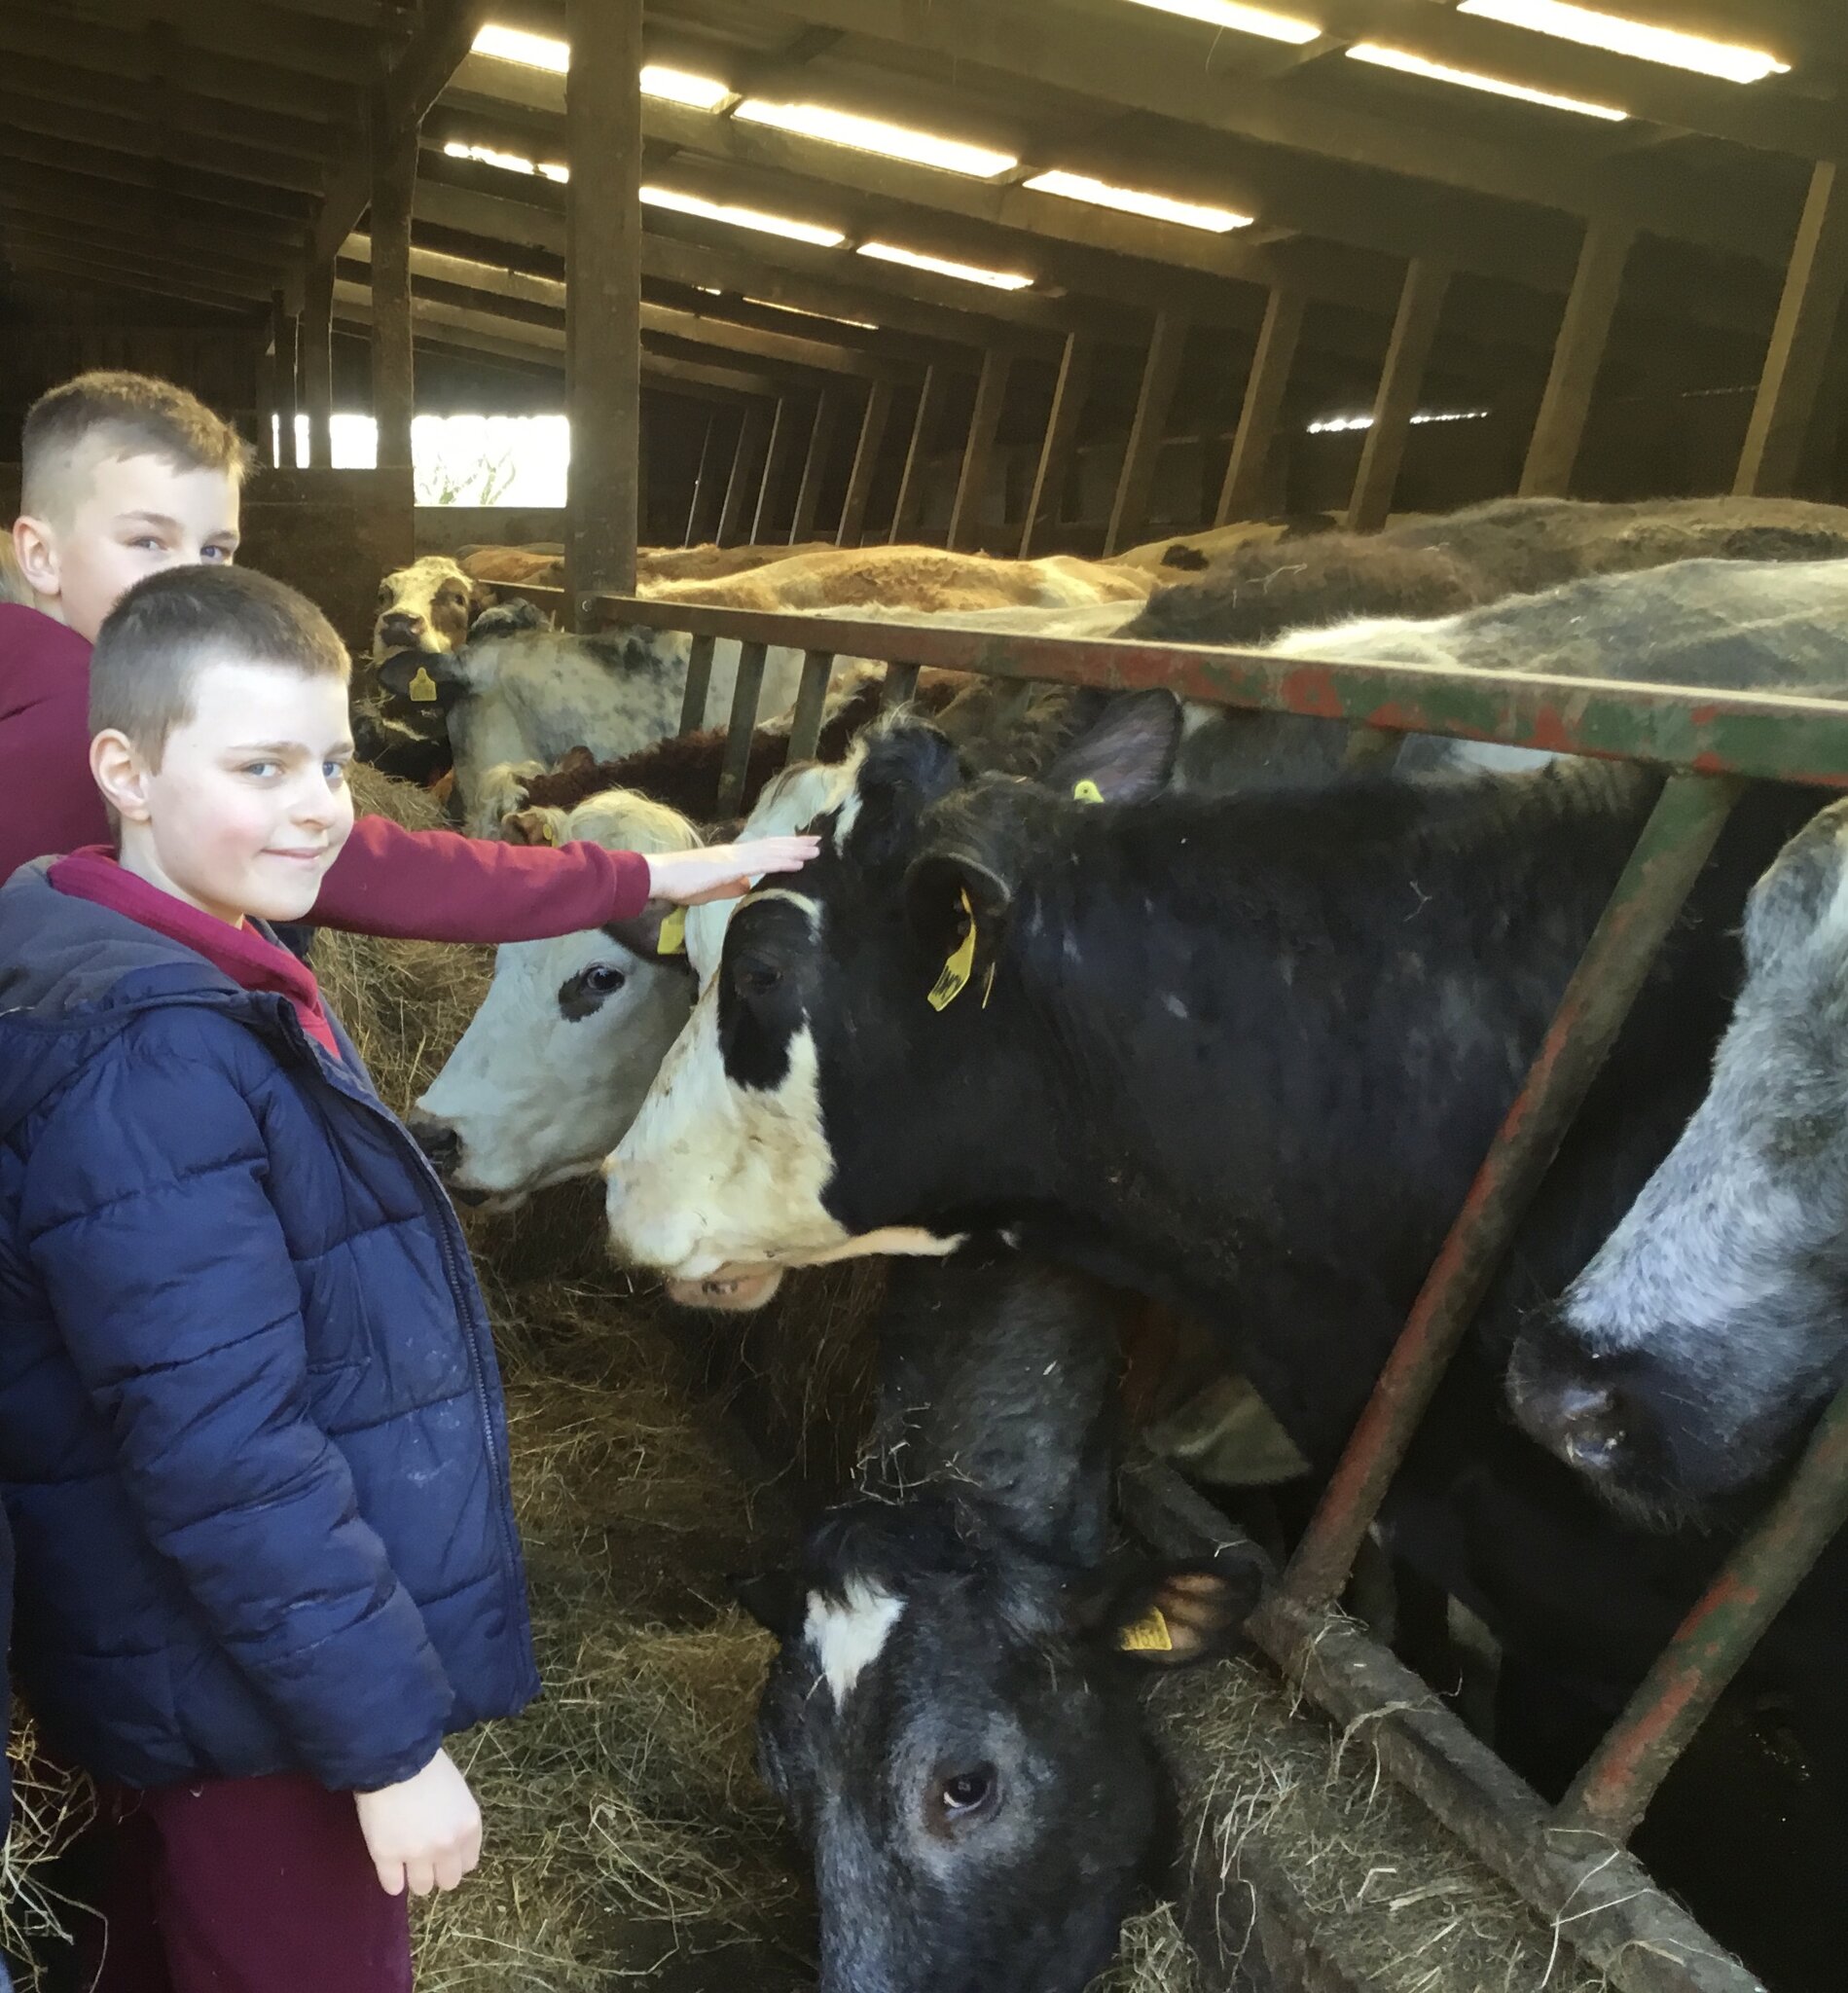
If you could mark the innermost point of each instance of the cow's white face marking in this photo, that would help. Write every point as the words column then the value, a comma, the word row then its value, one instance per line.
column 849, row 1634
column 434, row 590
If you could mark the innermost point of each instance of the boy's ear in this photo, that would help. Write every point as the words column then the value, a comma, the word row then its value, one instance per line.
column 35, row 552
column 1173, row 1616
column 117, row 772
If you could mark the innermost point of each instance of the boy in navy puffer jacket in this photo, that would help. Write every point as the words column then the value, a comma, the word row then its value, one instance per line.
column 252, row 1444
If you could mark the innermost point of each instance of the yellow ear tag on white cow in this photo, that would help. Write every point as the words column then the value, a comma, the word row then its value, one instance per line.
column 1147, row 1635
column 422, row 686
column 673, row 938
column 1086, row 791
column 549, row 832
column 955, row 976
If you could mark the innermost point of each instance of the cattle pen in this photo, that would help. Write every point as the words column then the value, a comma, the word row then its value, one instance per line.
column 1567, row 1861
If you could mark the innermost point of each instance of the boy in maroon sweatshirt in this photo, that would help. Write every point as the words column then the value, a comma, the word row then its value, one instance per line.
column 123, row 475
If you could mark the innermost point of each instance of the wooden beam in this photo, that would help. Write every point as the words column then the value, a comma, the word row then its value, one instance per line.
column 859, row 483
column 134, row 256
column 909, row 508
column 317, row 363
column 1400, row 380
column 747, row 473
column 1069, row 397
column 166, row 213
column 604, row 270
column 394, row 167
column 225, row 157
column 707, row 495
column 814, row 466
column 1577, row 354
column 177, row 116
column 1798, row 352
column 244, row 30
column 74, row 264
column 777, row 457
column 1161, row 370
column 991, row 391
column 1242, row 495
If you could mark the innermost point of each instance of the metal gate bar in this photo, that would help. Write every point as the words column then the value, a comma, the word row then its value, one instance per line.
column 1674, row 843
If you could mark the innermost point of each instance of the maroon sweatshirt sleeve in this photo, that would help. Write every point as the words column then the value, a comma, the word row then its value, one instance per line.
column 437, row 886
column 48, row 802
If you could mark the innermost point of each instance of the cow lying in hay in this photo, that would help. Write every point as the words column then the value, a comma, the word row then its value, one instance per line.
column 954, row 1685
column 1243, row 1054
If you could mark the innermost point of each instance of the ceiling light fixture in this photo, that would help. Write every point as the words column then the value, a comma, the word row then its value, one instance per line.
column 1470, row 79
column 942, row 265
column 1244, row 20
column 1730, row 61
column 1160, row 208
column 678, row 86
column 515, row 44
column 743, row 217
column 875, row 135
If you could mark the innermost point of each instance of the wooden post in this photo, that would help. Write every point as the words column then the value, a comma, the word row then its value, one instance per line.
column 910, row 505
column 394, row 174
column 1577, row 354
column 990, row 390
column 1062, row 435
column 859, row 485
column 1798, row 351
column 603, row 266
column 1128, row 514
column 1414, row 330
column 1242, row 495
column 814, row 465
column 703, row 512
column 783, row 446
column 283, row 325
column 317, row 363
column 266, row 400
column 747, row 473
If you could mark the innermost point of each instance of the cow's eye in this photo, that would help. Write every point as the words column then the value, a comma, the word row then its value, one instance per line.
column 755, row 978
column 385, row 598
column 604, row 979
column 967, row 1793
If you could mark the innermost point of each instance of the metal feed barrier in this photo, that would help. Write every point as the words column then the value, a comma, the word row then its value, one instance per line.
column 1567, row 1861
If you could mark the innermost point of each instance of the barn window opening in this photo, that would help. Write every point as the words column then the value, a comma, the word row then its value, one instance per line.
column 678, row 86
column 516, row 45
column 1334, row 426
column 1409, row 64
column 1161, row 208
column 876, row 135
column 1244, row 20
column 460, row 459
column 1729, row 61
column 943, row 266
column 507, row 161
column 743, row 217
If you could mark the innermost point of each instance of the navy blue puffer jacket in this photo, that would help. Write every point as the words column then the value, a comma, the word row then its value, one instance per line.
column 252, row 1445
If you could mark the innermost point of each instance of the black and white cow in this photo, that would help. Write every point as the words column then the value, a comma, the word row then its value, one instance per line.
column 1684, row 1362
column 952, row 1720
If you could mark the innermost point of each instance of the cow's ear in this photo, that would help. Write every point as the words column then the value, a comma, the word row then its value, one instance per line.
column 657, row 934
column 959, row 907
column 534, row 825
column 1173, row 1616
column 577, row 761
column 773, row 1598
column 905, row 768
column 1126, row 756
column 482, row 597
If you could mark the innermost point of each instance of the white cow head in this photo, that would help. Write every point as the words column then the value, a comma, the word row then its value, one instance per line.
column 427, row 606
column 551, row 1072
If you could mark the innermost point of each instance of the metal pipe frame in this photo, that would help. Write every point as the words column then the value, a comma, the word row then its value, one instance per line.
column 1567, row 1865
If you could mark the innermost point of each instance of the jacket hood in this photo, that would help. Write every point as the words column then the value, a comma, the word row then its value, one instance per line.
column 70, row 969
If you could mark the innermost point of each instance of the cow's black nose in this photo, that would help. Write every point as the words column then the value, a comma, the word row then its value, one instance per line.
column 1587, row 1424
column 399, row 626
column 438, row 1141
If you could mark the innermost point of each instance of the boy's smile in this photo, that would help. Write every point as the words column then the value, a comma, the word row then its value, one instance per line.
column 249, row 805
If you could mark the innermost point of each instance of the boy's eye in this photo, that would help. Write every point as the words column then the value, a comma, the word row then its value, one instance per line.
column 262, row 768
column 335, row 773
column 211, row 554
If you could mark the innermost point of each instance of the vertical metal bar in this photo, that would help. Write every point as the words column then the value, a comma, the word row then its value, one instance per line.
column 811, row 699
column 704, row 504
column 900, row 684
column 781, row 449
column 1069, row 397
column 318, row 363
column 699, row 684
column 1401, row 380
column 971, row 484
column 1674, row 846
column 1613, row 1789
column 750, row 685
column 909, row 506
column 288, row 380
column 1161, row 372
column 859, row 483
column 814, row 466
column 1243, row 492
column 748, row 470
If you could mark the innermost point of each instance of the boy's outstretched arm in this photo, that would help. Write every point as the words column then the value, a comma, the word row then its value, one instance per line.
column 145, row 1214
column 438, row 885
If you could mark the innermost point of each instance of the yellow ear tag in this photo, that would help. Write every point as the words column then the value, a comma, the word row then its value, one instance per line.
column 1086, row 791
column 673, row 938
column 1148, row 1635
column 423, row 687
column 955, row 976
column 549, row 831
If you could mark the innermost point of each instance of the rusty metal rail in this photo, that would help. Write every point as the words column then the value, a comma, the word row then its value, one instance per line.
column 1567, row 1865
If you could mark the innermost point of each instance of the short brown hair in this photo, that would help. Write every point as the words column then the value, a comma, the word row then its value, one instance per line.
column 105, row 414
column 169, row 627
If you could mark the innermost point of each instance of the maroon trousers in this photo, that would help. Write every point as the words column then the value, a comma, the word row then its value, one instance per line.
column 247, row 1886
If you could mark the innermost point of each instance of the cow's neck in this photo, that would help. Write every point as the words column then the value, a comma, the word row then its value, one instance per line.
column 1271, row 1041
